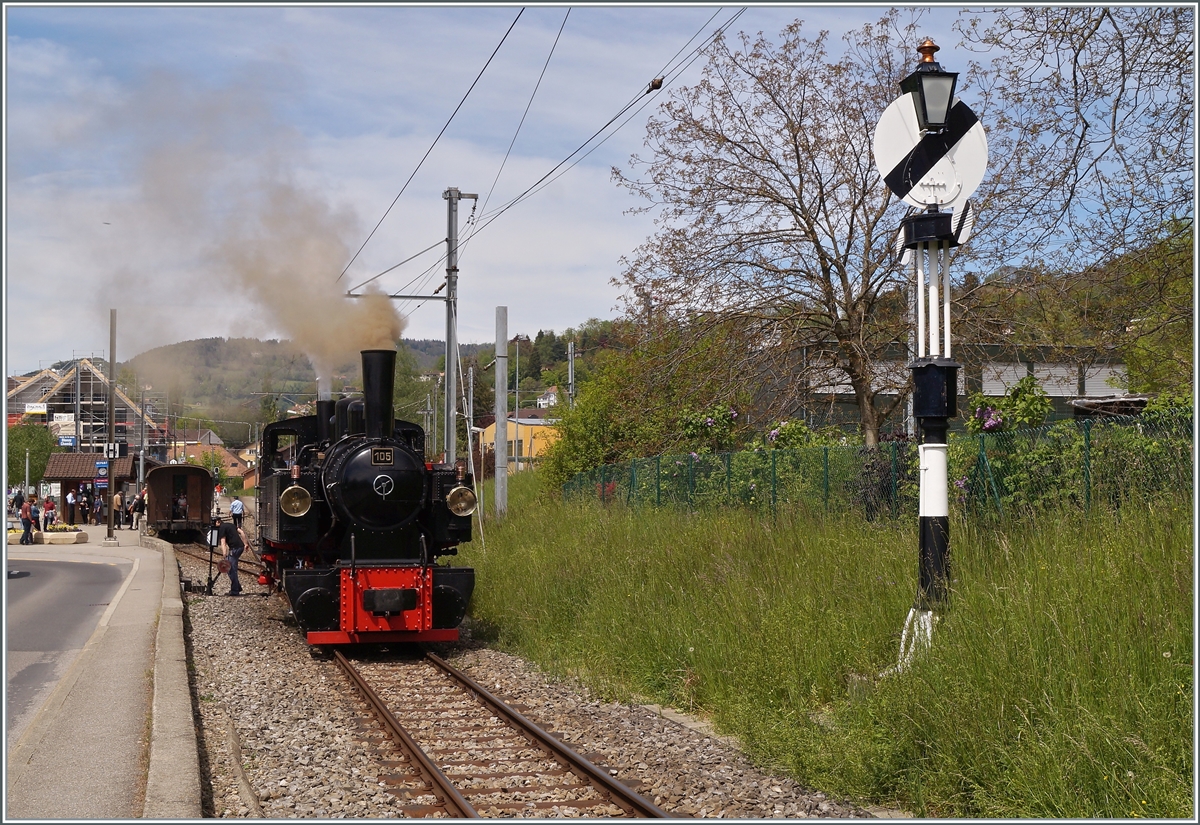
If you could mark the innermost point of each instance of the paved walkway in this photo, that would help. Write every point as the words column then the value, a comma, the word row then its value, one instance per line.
column 116, row 737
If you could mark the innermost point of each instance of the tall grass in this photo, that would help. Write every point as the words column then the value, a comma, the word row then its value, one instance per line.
column 1060, row 681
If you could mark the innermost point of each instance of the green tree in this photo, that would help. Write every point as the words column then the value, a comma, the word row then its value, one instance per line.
column 1025, row 405
column 39, row 441
column 212, row 461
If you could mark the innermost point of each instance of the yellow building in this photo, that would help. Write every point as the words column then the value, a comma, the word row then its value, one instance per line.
column 528, row 438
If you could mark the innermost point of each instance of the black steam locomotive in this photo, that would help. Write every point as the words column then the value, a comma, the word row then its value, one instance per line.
column 352, row 520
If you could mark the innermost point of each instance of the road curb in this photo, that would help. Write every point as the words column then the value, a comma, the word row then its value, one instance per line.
column 173, row 781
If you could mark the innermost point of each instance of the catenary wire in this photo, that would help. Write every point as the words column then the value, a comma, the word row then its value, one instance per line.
column 550, row 176
column 525, row 114
column 435, row 142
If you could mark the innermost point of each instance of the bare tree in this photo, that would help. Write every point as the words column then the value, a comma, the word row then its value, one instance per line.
column 774, row 218
column 775, row 223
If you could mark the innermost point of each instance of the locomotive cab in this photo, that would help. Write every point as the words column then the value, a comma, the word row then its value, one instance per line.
column 353, row 521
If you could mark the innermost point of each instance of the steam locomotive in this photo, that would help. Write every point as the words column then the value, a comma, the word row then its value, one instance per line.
column 352, row 520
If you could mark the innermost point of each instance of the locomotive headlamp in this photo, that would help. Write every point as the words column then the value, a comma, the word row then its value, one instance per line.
column 295, row 501
column 461, row 501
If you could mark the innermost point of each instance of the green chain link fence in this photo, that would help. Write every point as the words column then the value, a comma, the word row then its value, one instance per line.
column 1068, row 463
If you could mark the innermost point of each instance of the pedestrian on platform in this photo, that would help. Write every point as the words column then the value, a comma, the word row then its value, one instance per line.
column 85, row 504
column 35, row 514
column 139, row 510
column 237, row 511
column 71, row 507
column 118, row 510
column 26, row 521
column 98, row 510
column 49, row 513
column 232, row 541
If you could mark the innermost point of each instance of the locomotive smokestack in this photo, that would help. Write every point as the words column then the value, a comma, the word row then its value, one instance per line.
column 379, row 378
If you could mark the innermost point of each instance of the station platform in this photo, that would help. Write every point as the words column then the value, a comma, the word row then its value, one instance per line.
column 115, row 738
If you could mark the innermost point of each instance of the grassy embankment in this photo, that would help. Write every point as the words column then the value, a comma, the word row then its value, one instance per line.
column 1059, row 684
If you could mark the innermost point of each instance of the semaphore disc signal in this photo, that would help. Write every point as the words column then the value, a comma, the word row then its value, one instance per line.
column 944, row 168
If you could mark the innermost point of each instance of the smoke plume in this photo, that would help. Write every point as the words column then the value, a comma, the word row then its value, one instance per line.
column 219, row 176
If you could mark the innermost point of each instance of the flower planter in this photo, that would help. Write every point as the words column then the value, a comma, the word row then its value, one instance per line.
column 58, row 537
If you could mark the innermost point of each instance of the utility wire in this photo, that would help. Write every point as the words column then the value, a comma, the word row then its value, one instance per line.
column 430, row 149
column 550, row 176
column 524, row 114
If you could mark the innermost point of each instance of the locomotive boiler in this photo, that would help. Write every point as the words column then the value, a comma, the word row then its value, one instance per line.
column 354, row 523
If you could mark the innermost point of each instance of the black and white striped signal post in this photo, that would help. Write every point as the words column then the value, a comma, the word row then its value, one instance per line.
column 931, row 151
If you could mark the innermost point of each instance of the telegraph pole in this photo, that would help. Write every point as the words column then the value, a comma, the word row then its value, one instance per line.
column 110, row 447
column 450, row 436
column 571, row 373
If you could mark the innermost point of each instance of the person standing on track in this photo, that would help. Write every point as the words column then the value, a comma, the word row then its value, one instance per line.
column 237, row 510
column 232, row 541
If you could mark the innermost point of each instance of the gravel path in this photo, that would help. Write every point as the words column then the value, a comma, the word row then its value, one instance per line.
column 293, row 717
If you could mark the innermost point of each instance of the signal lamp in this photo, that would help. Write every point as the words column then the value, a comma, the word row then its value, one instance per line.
column 934, row 89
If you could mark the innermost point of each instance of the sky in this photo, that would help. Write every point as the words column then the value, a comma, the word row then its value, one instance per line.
column 233, row 171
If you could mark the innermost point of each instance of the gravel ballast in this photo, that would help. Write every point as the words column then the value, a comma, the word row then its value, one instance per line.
column 293, row 723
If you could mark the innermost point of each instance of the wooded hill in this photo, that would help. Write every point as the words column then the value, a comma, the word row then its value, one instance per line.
column 229, row 381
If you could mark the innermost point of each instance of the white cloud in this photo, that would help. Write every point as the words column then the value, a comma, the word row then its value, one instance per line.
column 342, row 102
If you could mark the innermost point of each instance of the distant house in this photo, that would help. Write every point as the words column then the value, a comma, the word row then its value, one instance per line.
column 548, row 399
column 528, row 438
column 230, row 461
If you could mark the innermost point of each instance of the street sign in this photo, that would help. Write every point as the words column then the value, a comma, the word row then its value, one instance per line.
column 101, row 469
column 66, row 441
column 100, row 483
column 943, row 169
column 110, row 450
column 35, row 408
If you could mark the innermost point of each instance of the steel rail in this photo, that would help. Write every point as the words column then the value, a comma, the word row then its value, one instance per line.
column 622, row 795
column 456, row 806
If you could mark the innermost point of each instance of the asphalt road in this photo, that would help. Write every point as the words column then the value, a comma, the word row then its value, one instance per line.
column 52, row 609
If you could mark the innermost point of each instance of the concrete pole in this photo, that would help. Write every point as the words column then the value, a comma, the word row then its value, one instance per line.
column 517, row 410
column 450, row 428
column 501, row 450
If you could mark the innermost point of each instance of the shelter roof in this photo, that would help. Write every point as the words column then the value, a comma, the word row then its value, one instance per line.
column 83, row 465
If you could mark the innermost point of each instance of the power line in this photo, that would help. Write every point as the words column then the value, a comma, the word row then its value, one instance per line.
column 547, row 178
column 524, row 114
column 430, row 149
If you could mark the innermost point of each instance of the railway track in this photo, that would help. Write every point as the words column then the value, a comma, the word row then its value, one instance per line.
column 468, row 755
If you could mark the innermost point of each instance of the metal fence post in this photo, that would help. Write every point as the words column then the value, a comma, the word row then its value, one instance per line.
column 1087, row 464
column 825, row 475
column 691, row 477
column 603, row 482
column 774, row 478
column 630, row 499
column 657, row 483
column 895, row 496
column 728, row 483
